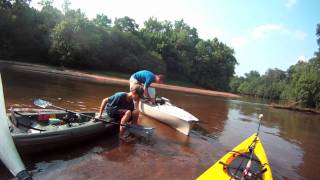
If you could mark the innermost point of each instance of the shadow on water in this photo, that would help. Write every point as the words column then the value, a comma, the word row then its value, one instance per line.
column 43, row 161
column 200, row 132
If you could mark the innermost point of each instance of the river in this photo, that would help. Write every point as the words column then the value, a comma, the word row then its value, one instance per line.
column 291, row 139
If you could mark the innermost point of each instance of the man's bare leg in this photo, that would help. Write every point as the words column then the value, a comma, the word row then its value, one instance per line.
column 135, row 116
column 125, row 118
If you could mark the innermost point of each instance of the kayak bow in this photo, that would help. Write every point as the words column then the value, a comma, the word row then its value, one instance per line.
column 234, row 164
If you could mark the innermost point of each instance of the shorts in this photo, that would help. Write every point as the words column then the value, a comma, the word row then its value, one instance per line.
column 133, row 81
column 118, row 114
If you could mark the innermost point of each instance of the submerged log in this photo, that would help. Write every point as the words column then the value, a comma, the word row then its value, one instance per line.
column 295, row 108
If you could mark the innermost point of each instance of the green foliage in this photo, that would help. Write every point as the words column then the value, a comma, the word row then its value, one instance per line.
column 66, row 6
column 46, row 3
column 214, row 64
column 102, row 20
column 21, row 32
column 74, row 40
column 293, row 75
column 126, row 24
column 235, row 82
column 131, row 54
column 249, row 84
column 304, row 85
column 270, row 85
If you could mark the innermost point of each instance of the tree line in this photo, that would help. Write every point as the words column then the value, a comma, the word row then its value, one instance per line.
column 68, row 38
column 300, row 84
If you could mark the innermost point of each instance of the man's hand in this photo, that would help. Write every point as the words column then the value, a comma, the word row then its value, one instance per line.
column 153, row 100
column 99, row 116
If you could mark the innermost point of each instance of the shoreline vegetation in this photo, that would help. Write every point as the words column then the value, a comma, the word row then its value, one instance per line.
column 91, row 76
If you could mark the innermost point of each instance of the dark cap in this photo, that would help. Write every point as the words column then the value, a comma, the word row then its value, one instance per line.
column 137, row 89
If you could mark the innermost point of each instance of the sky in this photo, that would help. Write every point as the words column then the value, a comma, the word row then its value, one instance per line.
column 263, row 33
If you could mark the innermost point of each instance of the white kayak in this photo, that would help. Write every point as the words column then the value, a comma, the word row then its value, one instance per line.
column 169, row 114
column 8, row 152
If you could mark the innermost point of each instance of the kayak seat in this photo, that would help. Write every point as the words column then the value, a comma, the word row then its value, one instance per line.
column 18, row 119
column 23, row 123
column 160, row 101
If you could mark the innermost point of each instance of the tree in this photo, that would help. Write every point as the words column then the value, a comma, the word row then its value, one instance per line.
column 75, row 40
column 271, row 84
column 130, row 54
column 49, row 17
column 102, row 20
column 235, row 83
column 6, row 26
column 250, row 84
column 213, row 65
column 126, row 24
column 66, row 6
column 21, row 37
column 46, row 3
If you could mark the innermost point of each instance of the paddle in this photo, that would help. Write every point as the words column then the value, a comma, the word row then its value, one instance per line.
column 134, row 128
column 251, row 148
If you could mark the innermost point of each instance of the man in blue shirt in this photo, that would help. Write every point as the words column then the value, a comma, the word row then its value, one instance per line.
column 145, row 78
column 120, row 106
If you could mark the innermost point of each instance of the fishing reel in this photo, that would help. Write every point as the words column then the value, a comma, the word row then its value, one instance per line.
column 70, row 118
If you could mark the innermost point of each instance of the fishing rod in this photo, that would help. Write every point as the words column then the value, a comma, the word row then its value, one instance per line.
column 251, row 150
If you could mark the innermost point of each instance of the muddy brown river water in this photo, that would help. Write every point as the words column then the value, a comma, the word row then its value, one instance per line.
column 291, row 139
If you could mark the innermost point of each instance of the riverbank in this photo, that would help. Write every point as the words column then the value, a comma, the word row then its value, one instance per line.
column 107, row 79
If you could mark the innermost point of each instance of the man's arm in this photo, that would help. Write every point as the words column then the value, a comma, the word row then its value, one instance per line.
column 102, row 107
column 147, row 84
column 146, row 92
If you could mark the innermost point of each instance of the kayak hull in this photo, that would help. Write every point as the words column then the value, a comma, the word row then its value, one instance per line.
column 219, row 170
column 171, row 115
column 31, row 140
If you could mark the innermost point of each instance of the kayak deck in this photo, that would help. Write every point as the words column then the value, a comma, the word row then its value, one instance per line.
column 233, row 164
